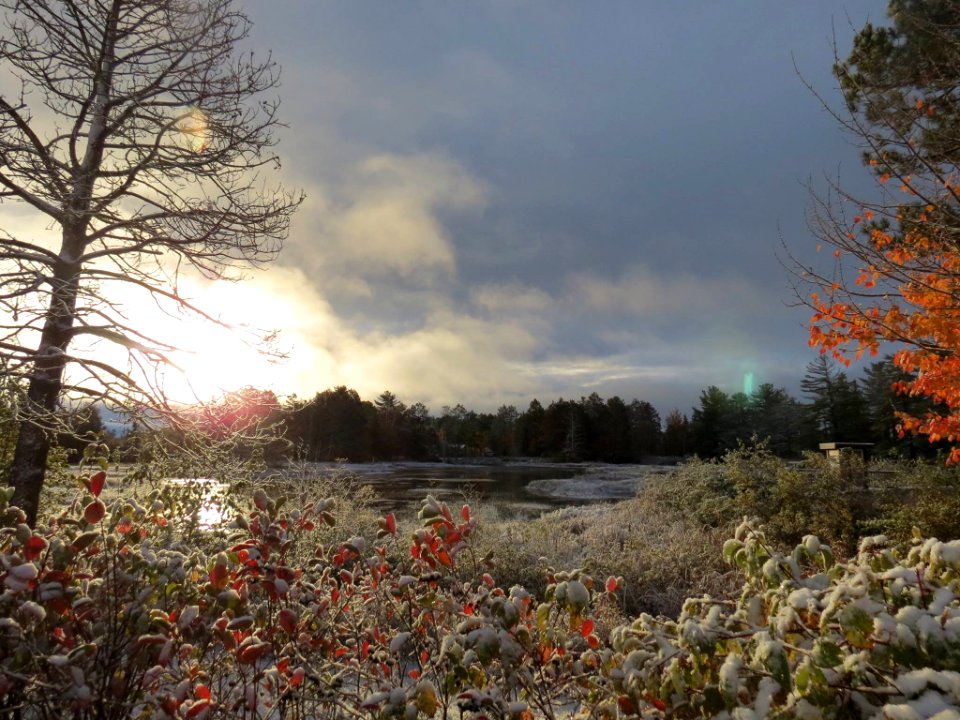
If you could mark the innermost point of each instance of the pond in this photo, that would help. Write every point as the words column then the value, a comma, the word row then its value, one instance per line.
column 518, row 487
column 406, row 484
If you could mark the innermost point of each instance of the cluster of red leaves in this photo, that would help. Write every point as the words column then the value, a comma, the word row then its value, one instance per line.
column 274, row 622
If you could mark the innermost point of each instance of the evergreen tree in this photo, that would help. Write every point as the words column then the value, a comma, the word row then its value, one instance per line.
column 387, row 427
column 778, row 418
column 503, row 431
column 419, row 436
column 338, row 426
column 618, row 433
column 677, row 435
column 737, row 421
column 532, row 430
column 884, row 403
column 645, row 432
column 837, row 407
column 709, row 433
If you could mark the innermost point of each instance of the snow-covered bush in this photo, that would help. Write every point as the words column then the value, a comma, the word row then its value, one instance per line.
column 839, row 504
column 663, row 557
column 878, row 636
column 105, row 614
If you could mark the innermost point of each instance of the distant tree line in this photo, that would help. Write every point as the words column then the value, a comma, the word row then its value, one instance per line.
column 337, row 424
column 836, row 408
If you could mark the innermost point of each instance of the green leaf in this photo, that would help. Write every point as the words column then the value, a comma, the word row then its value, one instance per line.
column 827, row 654
column 730, row 548
column 778, row 666
column 856, row 625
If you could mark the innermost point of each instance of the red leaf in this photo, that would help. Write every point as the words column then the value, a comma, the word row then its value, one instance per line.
column 252, row 653
column 656, row 702
column 202, row 692
column 96, row 483
column 35, row 545
column 94, row 512
column 587, row 627
column 465, row 512
column 611, row 584
column 626, row 705
column 391, row 523
column 287, row 619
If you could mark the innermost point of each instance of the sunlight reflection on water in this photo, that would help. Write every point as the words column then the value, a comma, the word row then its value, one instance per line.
column 210, row 513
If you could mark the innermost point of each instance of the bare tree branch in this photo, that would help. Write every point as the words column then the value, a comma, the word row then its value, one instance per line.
column 142, row 135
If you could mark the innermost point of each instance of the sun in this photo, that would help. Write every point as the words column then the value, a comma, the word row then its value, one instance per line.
column 203, row 360
column 212, row 359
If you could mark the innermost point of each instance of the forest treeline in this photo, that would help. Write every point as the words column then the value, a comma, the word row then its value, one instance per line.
column 338, row 424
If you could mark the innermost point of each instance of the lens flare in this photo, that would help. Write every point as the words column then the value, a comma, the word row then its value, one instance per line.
column 195, row 127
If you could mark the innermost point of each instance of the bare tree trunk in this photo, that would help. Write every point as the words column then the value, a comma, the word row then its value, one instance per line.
column 29, row 463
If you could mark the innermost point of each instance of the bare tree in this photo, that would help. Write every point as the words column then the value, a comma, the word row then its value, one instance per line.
column 138, row 134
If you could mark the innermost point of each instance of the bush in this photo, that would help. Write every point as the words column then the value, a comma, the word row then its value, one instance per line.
column 920, row 495
column 662, row 557
column 107, row 615
column 840, row 503
column 875, row 637
column 104, row 614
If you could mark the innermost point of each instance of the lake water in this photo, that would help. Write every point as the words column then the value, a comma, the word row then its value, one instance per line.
column 516, row 489
column 408, row 483
column 522, row 488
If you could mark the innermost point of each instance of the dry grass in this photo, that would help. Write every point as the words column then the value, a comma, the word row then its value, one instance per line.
column 663, row 557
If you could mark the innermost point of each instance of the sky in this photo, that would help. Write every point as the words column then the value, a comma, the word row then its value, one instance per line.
column 509, row 200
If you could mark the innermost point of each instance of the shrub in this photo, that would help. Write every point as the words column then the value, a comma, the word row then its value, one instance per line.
column 663, row 557
column 921, row 495
column 105, row 615
column 878, row 636
column 838, row 502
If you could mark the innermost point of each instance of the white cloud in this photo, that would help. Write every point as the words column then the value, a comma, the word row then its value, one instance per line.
column 644, row 293
column 510, row 299
column 383, row 219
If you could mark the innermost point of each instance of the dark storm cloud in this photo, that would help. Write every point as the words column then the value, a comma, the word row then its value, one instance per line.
column 620, row 172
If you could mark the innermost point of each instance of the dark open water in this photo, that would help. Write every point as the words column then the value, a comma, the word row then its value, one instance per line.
column 407, row 484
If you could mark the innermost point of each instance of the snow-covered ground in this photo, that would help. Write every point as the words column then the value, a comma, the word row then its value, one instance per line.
column 598, row 482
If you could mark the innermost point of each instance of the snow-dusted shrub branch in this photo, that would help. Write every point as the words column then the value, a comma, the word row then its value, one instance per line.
column 878, row 636
column 105, row 614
